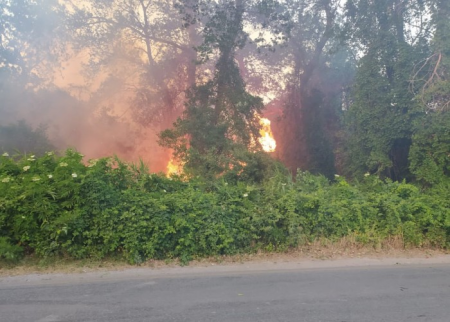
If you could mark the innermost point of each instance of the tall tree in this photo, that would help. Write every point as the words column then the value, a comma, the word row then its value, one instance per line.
column 430, row 151
column 302, row 140
column 28, row 36
column 31, row 46
column 220, row 124
column 379, row 118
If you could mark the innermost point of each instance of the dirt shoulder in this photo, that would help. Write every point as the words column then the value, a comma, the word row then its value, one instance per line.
column 313, row 257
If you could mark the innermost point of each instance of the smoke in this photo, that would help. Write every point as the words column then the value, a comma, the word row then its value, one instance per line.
column 96, row 119
column 109, row 90
column 79, row 76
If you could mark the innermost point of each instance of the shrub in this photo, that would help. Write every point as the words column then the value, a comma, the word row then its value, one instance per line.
column 8, row 251
column 60, row 206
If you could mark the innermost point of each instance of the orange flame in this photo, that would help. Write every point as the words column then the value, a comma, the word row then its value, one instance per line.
column 266, row 140
column 174, row 168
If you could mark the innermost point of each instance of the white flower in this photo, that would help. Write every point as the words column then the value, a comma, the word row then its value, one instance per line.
column 50, row 176
column 23, row 217
column 74, row 175
column 33, row 156
column 366, row 174
column 31, row 159
column 6, row 180
column 49, row 153
column 245, row 195
column 5, row 154
column 164, row 190
column 336, row 176
column 35, row 179
column 26, row 168
column 63, row 164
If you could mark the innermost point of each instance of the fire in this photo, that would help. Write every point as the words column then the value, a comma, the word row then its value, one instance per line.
column 266, row 140
column 174, row 168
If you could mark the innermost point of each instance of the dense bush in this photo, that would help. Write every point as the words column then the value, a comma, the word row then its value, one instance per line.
column 60, row 206
column 430, row 151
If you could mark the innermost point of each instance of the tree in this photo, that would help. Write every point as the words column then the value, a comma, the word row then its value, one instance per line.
column 32, row 38
column 29, row 38
column 149, row 38
column 429, row 155
column 379, row 119
column 218, row 130
column 303, row 141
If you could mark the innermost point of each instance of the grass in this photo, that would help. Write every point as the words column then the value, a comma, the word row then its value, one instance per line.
column 321, row 249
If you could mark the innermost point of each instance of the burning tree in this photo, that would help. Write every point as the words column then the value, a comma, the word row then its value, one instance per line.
column 219, row 128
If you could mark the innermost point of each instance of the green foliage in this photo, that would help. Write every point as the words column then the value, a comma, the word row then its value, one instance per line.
column 430, row 151
column 60, row 206
column 8, row 252
column 219, row 128
column 378, row 122
column 379, row 119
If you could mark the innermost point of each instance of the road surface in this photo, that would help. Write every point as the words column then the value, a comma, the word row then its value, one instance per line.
column 341, row 294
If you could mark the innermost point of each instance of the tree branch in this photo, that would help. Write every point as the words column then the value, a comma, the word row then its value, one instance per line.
column 308, row 70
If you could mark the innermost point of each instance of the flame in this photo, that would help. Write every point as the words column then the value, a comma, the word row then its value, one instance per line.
column 174, row 168
column 266, row 140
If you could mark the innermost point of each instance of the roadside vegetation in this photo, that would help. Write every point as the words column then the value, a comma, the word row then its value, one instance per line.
column 58, row 206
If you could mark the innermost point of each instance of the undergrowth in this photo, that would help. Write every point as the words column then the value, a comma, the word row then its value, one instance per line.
column 58, row 206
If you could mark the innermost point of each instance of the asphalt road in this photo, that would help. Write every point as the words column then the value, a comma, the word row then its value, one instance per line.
column 399, row 293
